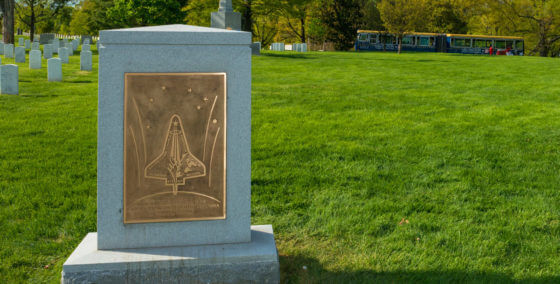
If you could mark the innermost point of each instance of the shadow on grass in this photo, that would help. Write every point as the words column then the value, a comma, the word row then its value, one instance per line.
column 80, row 81
column 402, row 60
column 286, row 55
column 430, row 60
column 32, row 95
column 292, row 271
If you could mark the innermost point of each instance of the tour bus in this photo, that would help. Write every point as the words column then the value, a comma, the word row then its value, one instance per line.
column 433, row 42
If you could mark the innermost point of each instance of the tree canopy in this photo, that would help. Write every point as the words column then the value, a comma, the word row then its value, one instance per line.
column 312, row 21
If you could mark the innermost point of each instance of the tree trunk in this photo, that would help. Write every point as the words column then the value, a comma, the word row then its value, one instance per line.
column 32, row 23
column 8, row 21
column 543, row 51
column 399, row 41
column 248, row 17
column 302, row 38
column 542, row 45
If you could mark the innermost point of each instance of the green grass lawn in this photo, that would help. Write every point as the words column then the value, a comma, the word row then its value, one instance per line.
column 370, row 166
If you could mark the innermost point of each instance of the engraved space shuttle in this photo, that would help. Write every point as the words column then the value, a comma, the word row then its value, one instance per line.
column 176, row 163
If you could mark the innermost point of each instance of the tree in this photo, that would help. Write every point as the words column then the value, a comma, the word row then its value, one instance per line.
column 446, row 18
column 371, row 19
column 537, row 19
column 342, row 19
column 245, row 7
column 91, row 16
column 197, row 12
column 30, row 12
column 265, row 18
column 402, row 16
column 133, row 13
column 8, row 7
column 80, row 23
column 317, row 30
column 295, row 13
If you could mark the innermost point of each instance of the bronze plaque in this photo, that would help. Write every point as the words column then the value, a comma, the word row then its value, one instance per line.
column 174, row 147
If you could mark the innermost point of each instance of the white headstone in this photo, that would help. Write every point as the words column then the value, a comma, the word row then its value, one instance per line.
column 75, row 44
column 256, row 48
column 278, row 46
column 35, row 46
column 54, row 70
column 63, row 54
column 85, row 61
column 47, row 51
column 20, row 54
column 35, row 59
column 9, row 50
column 56, row 45
column 1, row 48
column 9, row 79
column 27, row 43
column 86, row 47
column 21, row 41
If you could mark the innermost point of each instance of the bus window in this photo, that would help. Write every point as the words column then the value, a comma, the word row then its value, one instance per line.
column 407, row 40
column 424, row 41
column 519, row 45
column 500, row 44
column 362, row 37
column 388, row 39
column 509, row 43
column 432, row 39
column 480, row 43
column 373, row 39
column 461, row 42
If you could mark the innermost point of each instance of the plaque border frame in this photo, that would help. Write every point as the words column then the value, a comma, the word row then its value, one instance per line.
column 224, row 210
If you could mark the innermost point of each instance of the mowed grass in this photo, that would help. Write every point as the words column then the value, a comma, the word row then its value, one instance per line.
column 370, row 166
column 48, row 144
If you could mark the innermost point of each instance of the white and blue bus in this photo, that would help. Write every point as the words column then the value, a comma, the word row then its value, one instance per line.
column 433, row 42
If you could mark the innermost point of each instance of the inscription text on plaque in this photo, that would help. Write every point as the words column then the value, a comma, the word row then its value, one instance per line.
column 174, row 147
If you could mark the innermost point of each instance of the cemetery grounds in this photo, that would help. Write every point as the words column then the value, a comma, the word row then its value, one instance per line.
column 370, row 167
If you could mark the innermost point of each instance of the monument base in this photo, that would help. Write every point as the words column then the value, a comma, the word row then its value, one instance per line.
column 226, row 20
column 253, row 262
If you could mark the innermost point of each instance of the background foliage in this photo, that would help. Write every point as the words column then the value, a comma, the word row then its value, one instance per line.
column 312, row 21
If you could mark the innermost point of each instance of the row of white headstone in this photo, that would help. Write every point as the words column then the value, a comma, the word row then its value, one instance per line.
column 297, row 47
column 277, row 46
column 9, row 76
column 56, row 43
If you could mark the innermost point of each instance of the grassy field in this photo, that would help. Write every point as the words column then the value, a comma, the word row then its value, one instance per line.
column 370, row 166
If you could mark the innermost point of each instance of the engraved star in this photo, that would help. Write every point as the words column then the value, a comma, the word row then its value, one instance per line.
column 198, row 107
column 163, row 88
column 190, row 90
column 205, row 99
column 215, row 121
